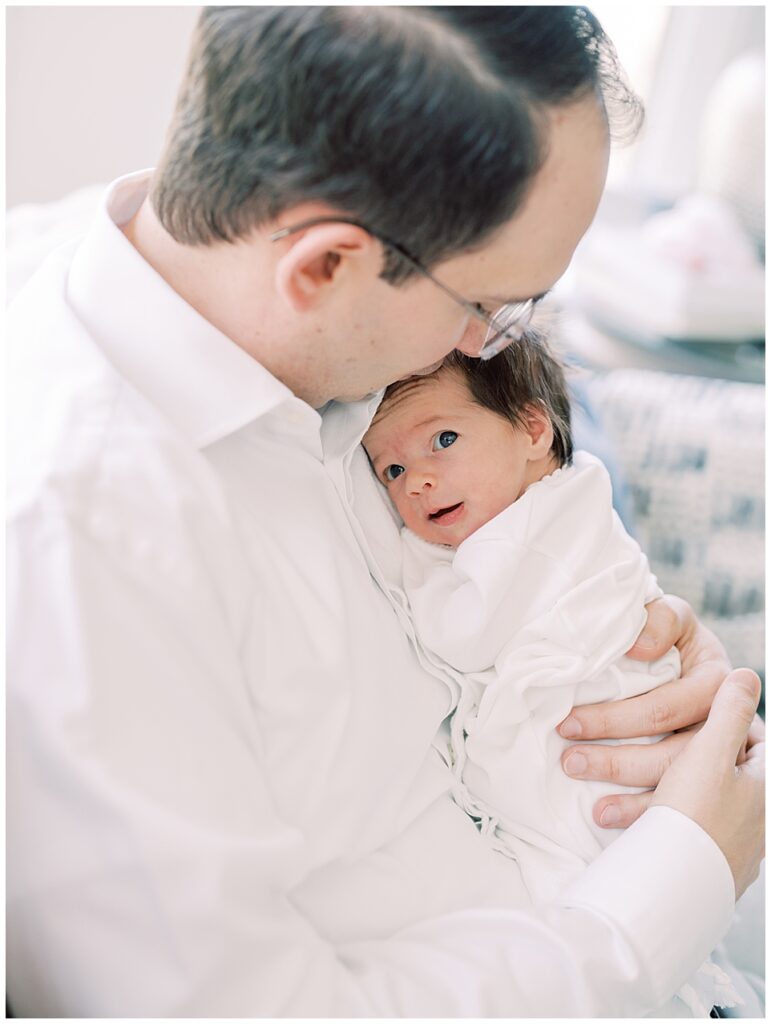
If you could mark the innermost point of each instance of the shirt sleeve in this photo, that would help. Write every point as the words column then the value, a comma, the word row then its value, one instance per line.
column 150, row 874
column 613, row 946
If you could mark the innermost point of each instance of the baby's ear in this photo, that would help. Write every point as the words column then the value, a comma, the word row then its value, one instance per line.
column 540, row 431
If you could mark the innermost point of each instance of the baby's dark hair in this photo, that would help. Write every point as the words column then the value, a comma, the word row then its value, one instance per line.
column 525, row 374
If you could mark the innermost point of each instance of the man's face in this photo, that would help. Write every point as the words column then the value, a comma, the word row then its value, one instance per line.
column 449, row 464
column 403, row 330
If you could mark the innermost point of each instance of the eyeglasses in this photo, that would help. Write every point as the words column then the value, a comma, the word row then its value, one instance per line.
column 507, row 324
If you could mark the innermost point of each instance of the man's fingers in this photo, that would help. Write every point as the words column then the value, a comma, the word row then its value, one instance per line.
column 671, row 706
column 621, row 810
column 755, row 760
column 757, row 733
column 732, row 715
column 756, row 738
column 632, row 764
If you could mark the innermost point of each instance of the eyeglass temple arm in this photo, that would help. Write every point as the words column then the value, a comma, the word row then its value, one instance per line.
column 470, row 307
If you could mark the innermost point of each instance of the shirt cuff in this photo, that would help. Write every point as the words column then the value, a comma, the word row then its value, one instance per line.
column 668, row 887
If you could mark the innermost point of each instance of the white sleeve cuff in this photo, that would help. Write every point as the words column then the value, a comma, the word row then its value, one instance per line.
column 668, row 887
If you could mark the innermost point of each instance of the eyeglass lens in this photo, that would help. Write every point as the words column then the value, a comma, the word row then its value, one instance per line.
column 509, row 323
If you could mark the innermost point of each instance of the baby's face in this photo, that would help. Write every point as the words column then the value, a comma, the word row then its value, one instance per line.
column 449, row 464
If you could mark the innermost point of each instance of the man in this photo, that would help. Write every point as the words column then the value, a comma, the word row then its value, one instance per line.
column 229, row 788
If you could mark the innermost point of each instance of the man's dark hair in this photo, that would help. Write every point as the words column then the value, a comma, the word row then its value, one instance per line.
column 525, row 374
column 424, row 123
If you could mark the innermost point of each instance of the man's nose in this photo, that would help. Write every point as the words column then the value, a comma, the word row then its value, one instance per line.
column 419, row 479
column 473, row 338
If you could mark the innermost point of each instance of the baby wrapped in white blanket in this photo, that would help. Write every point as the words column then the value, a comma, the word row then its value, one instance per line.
column 537, row 608
column 520, row 575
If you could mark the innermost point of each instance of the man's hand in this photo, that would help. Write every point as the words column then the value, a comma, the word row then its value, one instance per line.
column 679, row 707
column 707, row 784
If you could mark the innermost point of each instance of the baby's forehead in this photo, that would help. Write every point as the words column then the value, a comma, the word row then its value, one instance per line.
column 416, row 399
column 416, row 391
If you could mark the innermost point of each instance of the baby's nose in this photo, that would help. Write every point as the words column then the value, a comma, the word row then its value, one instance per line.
column 419, row 479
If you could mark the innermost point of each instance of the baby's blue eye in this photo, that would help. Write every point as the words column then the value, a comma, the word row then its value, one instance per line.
column 444, row 440
column 391, row 472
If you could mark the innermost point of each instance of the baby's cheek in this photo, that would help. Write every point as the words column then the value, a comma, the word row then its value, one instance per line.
column 403, row 508
column 414, row 519
column 410, row 519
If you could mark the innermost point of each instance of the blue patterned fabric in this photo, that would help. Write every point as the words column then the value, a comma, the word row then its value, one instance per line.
column 590, row 435
column 690, row 451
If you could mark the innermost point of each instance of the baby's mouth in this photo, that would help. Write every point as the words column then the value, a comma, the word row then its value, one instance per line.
column 444, row 514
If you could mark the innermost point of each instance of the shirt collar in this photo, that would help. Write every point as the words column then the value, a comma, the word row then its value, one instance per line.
column 345, row 423
column 195, row 375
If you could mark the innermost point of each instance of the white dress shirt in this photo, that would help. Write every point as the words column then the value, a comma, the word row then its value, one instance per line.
column 226, row 788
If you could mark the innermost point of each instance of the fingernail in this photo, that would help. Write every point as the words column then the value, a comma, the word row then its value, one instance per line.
column 570, row 728
column 610, row 816
column 575, row 764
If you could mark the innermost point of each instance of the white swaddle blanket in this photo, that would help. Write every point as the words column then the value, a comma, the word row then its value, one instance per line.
column 537, row 608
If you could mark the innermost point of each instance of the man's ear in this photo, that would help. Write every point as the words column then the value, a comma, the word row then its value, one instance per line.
column 538, row 428
column 319, row 259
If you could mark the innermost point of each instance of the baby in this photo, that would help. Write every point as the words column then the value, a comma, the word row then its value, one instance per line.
column 520, row 575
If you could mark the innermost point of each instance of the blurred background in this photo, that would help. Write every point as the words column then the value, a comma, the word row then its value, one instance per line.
column 662, row 307
column 90, row 91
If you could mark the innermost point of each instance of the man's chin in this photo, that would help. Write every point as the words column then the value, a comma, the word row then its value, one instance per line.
column 424, row 372
column 358, row 396
column 367, row 394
